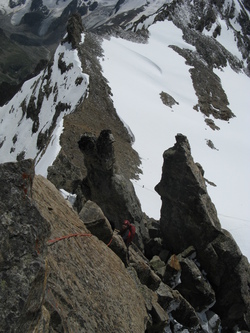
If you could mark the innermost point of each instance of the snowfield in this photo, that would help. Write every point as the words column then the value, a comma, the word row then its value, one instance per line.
column 137, row 74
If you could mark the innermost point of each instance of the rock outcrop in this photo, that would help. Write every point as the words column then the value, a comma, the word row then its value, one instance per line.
column 74, row 30
column 107, row 187
column 189, row 218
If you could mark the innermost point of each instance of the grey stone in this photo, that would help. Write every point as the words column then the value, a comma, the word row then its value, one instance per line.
column 94, row 219
column 158, row 266
column 178, row 308
column 22, row 248
column 194, row 287
column 189, row 218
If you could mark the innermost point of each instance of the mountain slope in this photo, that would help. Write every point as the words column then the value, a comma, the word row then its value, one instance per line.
column 40, row 105
column 198, row 46
column 145, row 72
column 219, row 145
column 38, row 26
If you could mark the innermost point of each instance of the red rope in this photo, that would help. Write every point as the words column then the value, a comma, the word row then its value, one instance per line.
column 51, row 241
column 110, row 241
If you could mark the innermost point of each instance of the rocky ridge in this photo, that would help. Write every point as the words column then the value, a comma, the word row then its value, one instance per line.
column 95, row 114
column 179, row 266
column 73, row 270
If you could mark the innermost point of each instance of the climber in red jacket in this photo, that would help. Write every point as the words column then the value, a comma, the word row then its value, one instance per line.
column 127, row 232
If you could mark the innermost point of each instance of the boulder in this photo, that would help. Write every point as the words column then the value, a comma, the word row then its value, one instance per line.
column 173, row 272
column 194, row 287
column 177, row 307
column 119, row 247
column 142, row 267
column 95, row 221
column 154, row 228
column 164, row 255
column 158, row 266
column 146, row 275
column 210, row 321
column 158, row 317
column 190, row 282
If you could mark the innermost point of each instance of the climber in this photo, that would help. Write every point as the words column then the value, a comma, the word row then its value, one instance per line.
column 127, row 232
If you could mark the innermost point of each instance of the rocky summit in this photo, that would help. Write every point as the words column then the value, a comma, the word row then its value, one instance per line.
column 66, row 268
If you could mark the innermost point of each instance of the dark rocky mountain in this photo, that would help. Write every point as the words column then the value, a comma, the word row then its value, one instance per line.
column 31, row 35
column 65, row 268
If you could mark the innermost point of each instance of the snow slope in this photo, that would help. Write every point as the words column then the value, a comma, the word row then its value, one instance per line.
column 137, row 74
column 16, row 134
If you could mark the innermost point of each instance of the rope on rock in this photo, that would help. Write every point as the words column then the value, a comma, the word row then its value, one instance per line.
column 52, row 241
column 110, row 241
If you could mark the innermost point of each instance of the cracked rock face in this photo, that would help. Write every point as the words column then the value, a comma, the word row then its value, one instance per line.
column 23, row 231
column 184, row 196
column 189, row 218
